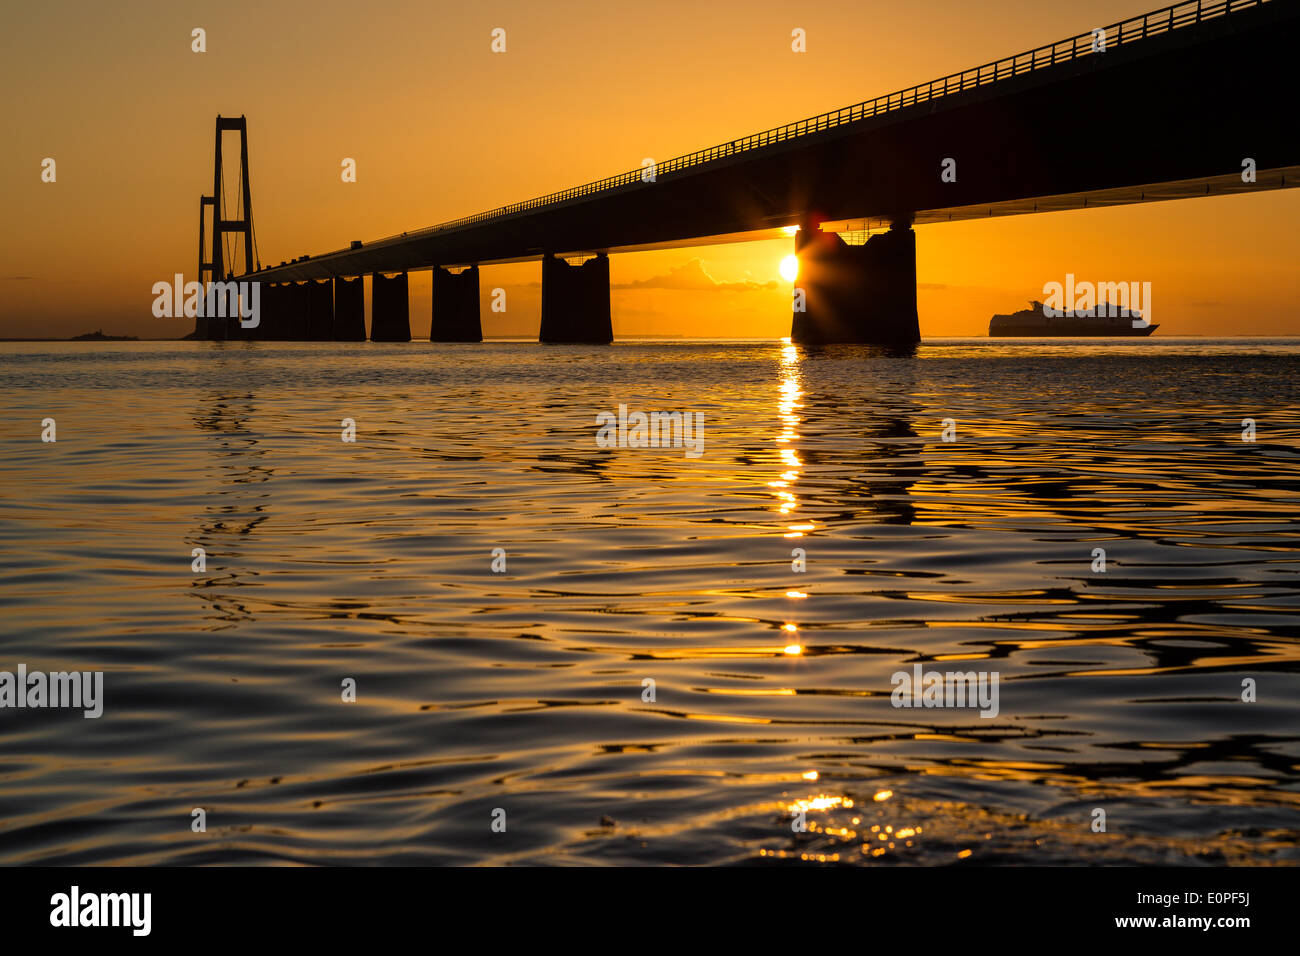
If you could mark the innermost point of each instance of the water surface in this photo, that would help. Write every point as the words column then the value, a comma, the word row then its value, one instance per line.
column 523, row 690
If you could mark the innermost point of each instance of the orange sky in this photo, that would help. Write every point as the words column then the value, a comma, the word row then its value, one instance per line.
column 442, row 127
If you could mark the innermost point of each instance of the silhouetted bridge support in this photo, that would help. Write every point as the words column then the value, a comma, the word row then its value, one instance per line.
column 856, row 294
column 349, row 310
column 270, row 311
column 330, row 311
column 320, row 311
column 390, row 319
column 575, row 301
column 455, row 306
column 297, row 312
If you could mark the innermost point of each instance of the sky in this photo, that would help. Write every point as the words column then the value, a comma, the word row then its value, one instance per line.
column 441, row 127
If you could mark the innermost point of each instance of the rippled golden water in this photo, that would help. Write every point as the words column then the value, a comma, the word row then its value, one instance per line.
column 523, row 690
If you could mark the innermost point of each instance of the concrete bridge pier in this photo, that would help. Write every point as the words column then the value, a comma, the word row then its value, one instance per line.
column 287, row 301
column 575, row 301
column 856, row 294
column 235, row 331
column 210, row 327
column 390, row 319
column 455, row 307
column 218, row 328
column 320, row 311
column 349, row 310
column 267, row 330
column 202, row 328
column 282, row 320
column 296, row 308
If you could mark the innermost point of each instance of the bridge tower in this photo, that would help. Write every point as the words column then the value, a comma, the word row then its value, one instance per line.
column 205, row 264
column 216, row 268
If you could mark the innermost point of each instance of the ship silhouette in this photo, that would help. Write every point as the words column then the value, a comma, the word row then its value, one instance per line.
column 1036, row 320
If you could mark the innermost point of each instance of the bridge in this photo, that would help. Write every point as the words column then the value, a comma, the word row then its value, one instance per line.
column 1171, row 104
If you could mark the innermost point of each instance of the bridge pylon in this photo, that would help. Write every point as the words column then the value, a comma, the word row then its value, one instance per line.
column 216, row 267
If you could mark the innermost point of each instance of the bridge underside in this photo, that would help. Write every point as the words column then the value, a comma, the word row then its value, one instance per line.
column 1287, row 177
column 1230, row 184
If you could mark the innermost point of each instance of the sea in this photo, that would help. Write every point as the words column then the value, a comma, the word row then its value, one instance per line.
column 372, row 604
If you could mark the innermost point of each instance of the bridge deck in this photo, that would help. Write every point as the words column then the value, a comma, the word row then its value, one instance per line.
column 1165, row 73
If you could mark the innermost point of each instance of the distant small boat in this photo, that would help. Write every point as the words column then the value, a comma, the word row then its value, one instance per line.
column 1035, row 321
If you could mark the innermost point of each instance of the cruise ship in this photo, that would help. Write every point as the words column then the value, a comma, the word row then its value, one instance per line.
column 1033, row 321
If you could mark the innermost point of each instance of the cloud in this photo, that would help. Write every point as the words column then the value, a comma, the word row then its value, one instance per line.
column 692, row 277
column 16, row 278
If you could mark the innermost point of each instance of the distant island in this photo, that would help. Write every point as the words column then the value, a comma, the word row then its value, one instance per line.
column 99, row 336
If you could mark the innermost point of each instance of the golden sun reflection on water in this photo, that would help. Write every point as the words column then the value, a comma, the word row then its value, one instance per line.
column 788, row 402
column 787, row 405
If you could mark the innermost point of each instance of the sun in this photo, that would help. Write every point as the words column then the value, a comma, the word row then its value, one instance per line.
column 790, row 268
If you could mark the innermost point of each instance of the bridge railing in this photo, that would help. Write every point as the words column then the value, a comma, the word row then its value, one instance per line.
column 1164, row 20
